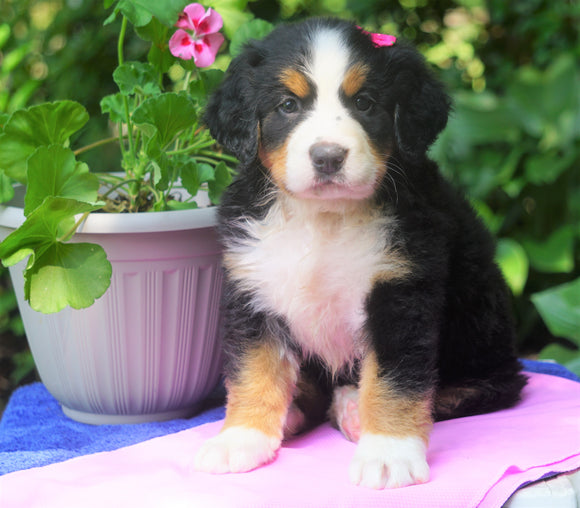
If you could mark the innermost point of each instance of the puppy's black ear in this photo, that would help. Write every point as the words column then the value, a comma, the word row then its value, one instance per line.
column 422, row 105
column 231, row 113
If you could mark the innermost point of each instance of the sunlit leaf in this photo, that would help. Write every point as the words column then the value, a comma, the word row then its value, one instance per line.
column 42, row 227
column 57, row 274
column 67, row 275
column 513, row 262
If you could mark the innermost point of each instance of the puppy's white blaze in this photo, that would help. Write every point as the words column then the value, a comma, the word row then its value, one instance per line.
column 236, row 450
column 383, row 461
column 329, row 121
column 330, row 60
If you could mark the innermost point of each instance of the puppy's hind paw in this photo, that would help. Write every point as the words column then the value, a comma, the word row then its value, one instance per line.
column 236, row 450
column 344, row 412
column 390, row 462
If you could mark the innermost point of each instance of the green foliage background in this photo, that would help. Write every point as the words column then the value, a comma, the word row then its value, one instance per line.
column 512, row 144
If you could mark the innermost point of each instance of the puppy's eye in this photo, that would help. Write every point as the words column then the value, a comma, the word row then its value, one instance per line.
column 289, row 106
column 363, row 103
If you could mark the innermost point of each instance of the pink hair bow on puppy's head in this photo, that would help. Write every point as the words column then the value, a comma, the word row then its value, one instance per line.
column 381, row 40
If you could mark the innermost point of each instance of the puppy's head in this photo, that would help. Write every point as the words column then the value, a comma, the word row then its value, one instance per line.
column 323, row 109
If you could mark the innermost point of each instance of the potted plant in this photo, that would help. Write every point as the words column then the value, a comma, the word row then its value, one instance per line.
column 121, row 309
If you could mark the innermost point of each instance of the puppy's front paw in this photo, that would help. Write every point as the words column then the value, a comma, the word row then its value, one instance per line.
column 381, row 461
column 236, row 450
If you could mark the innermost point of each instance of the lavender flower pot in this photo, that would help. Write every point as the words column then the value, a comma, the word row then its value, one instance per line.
column 149, row 349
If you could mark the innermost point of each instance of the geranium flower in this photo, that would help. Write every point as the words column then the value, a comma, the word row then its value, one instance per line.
column 197, row 36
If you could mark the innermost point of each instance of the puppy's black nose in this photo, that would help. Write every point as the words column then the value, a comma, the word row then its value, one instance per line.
column 327, row 158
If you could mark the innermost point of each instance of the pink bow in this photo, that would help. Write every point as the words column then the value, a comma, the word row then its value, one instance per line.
column 381, row 40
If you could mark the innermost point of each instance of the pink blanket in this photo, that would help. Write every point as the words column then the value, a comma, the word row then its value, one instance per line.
column 476, row 461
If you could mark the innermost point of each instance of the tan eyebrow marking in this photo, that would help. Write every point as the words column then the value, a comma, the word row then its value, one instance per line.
column 296, row 82
column 355, row 78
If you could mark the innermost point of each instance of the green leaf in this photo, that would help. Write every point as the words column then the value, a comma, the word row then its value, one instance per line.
column 253, row 30
column 139, row 12
column 545, row 168
column 113, row 105
column 4, row 34
column 154, row 32
column 169, row 113
column 172, row 204
column 6, row 188
column 160, row 57
column 217, row 186
column 42, row 125
column 564, row 356
column 136, row 77
column 57, row 274
column 560, row 309
column 538, row 99
column 200, row 89
column 68, row 274
column 206, row 172
column 190, row 178
column 555, row 254
column 233, row 12
column 491, row 220
column 42, row 227
column 53, row 171
column 479, row 119
column 23, row 365
column 513, row 262
column 134, row 13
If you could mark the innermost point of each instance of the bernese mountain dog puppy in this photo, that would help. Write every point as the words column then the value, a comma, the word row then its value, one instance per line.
column 359, row 285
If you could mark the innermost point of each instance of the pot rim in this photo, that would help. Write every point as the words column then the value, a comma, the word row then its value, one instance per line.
column 12, row 216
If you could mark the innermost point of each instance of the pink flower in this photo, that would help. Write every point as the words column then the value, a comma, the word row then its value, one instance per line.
column 197, row 36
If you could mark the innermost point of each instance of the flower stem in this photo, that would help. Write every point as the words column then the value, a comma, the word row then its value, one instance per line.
column 68, row 235
column 96, row 144
column 121, row 60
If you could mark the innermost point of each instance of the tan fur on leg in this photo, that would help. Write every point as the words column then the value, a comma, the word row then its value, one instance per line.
column 384, row 411
column 258, row 401
column 261, row 394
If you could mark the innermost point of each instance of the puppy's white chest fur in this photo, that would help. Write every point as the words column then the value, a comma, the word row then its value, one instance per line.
column 315, row 269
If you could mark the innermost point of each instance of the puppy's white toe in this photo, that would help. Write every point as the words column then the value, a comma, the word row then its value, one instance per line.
column 390, row 462
column 236, row 450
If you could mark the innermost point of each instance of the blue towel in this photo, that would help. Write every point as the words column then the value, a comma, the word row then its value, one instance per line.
column 35, row 432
